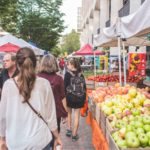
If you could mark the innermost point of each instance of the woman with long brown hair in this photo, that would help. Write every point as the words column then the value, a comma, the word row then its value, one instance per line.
column 27, row 108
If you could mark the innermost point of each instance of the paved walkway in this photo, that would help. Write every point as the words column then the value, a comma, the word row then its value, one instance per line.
column 84, row 142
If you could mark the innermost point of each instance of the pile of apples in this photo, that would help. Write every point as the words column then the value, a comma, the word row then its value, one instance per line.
column 114, row 78
column 129, row 116
column 121, row 105
column 102, row 93
column 133, row 131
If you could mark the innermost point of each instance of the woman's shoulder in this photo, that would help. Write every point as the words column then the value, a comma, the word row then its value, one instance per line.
column 42, row 81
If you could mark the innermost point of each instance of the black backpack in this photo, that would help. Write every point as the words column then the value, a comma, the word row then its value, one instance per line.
column 76, row 89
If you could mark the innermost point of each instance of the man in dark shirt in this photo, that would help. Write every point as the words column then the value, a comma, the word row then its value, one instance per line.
column 10, row 69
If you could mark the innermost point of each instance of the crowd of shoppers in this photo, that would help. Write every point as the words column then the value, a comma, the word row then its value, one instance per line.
column 33, row 103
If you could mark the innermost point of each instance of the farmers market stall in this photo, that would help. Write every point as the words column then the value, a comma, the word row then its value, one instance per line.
column 120, row 118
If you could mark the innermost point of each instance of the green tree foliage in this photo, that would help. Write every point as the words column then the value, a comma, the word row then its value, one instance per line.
column 8, row 15
column 39, row 21
column 71, row 42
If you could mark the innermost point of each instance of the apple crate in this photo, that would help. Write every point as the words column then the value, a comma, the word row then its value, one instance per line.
column 109, row 127
column 97, row 114
column 103, row 121
column 146, row 148
column 93, row 110
column 111, row 143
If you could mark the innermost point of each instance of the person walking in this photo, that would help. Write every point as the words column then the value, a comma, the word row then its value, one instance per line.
column 10, row 69
column 48, row 69
column 75, row 90
column 27, row 108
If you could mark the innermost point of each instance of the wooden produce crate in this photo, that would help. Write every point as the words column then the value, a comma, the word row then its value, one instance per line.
column 103, row 122
column 111, row 143
column 90, row 84
column 97, row 114
column 109, row 127
column 100, row 84
column 146, row 148
column 91, row 106
column 93, row 110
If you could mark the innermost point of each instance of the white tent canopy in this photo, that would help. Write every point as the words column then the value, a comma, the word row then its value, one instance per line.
column 19, row 42
column 136, row 24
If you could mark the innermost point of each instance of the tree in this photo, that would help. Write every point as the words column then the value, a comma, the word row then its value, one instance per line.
column 39, row 21
column 8, row 15
column 71, row 42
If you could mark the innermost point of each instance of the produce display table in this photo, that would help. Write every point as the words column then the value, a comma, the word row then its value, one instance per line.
column 115, row 113
column 98, row 139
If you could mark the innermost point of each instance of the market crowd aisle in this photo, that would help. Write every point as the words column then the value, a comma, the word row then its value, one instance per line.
column 85, row 137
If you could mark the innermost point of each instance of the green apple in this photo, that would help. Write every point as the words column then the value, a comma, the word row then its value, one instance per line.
column 122, row 132
column 122, row 143
column 132, row 142
column 136, row 112
column 130, row 134
column 146, row 119
column 146, row 127
column 139, row 118
column 139, row 131
column 131, row 118
column 129, row 128
column 146, row 103
column 149, row 143
column 148, row 134
column 132, row 92
column 138, row 124
column 143, row 139
column 116, row 136
column 107, row 110
column 109, row 103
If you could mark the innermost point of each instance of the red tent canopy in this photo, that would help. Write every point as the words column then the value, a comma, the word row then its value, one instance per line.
column 9, row 47
column 88, row 50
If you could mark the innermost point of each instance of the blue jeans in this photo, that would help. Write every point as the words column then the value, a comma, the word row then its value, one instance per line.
column 48, row 147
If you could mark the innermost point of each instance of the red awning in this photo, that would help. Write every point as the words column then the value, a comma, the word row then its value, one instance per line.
column 9, row 47
column 88, row 50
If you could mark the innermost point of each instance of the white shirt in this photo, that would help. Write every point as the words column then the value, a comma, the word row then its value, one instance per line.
column 23, row 129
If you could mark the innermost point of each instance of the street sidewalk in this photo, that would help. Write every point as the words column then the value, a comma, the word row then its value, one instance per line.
column 85, row 137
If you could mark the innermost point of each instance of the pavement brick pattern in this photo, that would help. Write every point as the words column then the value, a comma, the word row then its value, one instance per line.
column 84, row 142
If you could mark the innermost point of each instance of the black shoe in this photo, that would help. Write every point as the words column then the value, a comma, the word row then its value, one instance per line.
column 75, row 138
column 68, row 133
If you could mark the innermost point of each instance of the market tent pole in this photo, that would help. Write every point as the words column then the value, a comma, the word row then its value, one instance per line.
column 124, row 63
column 94, row 70
column 119, row 59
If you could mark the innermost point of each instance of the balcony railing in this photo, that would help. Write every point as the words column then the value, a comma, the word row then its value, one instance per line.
column 142, row 1
column 108, row 23
column 125, row 10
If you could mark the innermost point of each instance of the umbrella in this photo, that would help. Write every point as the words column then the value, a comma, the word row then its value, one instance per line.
column 9, row 47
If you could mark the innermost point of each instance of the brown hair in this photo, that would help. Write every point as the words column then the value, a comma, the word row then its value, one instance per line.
column 48, row 64
column 76, row 64
column 26, row 62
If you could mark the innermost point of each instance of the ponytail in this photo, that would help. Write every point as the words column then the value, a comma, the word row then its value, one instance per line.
column 27, row 75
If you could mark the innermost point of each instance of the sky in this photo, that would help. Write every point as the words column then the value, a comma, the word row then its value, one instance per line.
column 70, row 9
